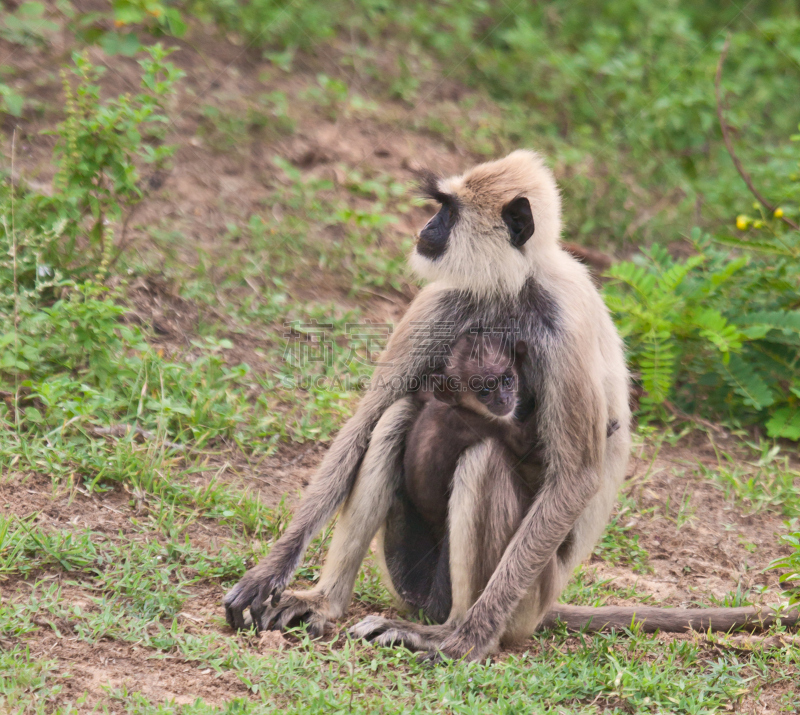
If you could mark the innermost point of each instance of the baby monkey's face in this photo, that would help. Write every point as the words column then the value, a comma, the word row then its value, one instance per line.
column 492, row 390
column 483, row 376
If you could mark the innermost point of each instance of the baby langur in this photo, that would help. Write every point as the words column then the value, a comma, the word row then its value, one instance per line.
column 473, row 399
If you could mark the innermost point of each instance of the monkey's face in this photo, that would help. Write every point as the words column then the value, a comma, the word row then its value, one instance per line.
column 490, row 381
column 434, row 239
column 498, row 394
column 492, row 224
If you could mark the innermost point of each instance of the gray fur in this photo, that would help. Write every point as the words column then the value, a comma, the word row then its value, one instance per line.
column 506, row 573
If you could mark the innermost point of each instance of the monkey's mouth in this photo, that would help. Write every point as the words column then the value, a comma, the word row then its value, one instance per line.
column 430, row 248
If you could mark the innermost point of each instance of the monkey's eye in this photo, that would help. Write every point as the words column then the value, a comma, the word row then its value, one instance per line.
column 508, row 381
column 484, row 392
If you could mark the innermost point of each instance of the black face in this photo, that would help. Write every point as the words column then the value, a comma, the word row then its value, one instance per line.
column 518, row 217
column 434, row 237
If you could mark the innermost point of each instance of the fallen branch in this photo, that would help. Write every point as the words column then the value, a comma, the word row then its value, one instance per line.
column 726, row 137
column 668, row 620
column 686, row 417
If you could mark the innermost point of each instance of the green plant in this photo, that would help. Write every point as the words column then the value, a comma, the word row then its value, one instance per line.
column 275, row 115
column 223, row 130
column 766, row 483
column 27, row 25
column 717, row 334
column 791, row 566
column 127, row 18
column 101, row 147
column 227, row 130
column 10, row 100
column 24, row 548
column 24, row 274
column 75, row 362
column 287, row 24
column 586, row 589
column 100, row 143
column 619, row 545
column 334, row 97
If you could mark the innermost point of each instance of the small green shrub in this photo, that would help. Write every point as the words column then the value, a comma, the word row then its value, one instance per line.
column 718, row 333
column 101, row 147
column 117, row 28
column 100, row 144
column 76, row 361
column 288, row 24
column 27, row 25
column 791, row 564
column 10, row 101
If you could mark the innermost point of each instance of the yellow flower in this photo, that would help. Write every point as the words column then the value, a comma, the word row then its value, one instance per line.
column 742, row 222
column 778, row 212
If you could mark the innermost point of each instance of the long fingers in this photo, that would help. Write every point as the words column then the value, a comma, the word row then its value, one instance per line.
column 234, row 612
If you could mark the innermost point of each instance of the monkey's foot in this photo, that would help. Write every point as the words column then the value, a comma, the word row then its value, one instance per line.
column 295, row 607
column 461, row 644
column 387, row 632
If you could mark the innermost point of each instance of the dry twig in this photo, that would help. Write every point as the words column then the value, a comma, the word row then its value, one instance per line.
column 726, row 136
column 686, row 417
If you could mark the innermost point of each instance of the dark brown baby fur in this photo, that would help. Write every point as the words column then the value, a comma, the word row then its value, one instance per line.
column 473, row 399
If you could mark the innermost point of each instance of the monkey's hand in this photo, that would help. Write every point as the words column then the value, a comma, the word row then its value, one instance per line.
column 262, row 583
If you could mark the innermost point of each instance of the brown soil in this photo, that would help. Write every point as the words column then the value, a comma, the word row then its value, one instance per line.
column 100, row 668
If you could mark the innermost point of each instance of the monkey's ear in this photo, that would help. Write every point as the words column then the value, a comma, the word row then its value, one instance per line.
column 520, row 350
column 517, row 216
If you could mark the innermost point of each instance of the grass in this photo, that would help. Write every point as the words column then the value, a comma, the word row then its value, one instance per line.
column 621, row 672
column 620, row 545
column 768, row 481
column 149, row 582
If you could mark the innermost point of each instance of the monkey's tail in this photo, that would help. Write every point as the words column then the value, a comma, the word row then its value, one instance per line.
column 670, row 620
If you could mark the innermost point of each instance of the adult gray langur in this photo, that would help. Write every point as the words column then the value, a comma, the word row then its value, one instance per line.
column 515, row 528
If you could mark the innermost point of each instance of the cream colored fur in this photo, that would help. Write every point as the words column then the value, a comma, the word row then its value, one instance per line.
column 479, row 257
column 505, row 573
